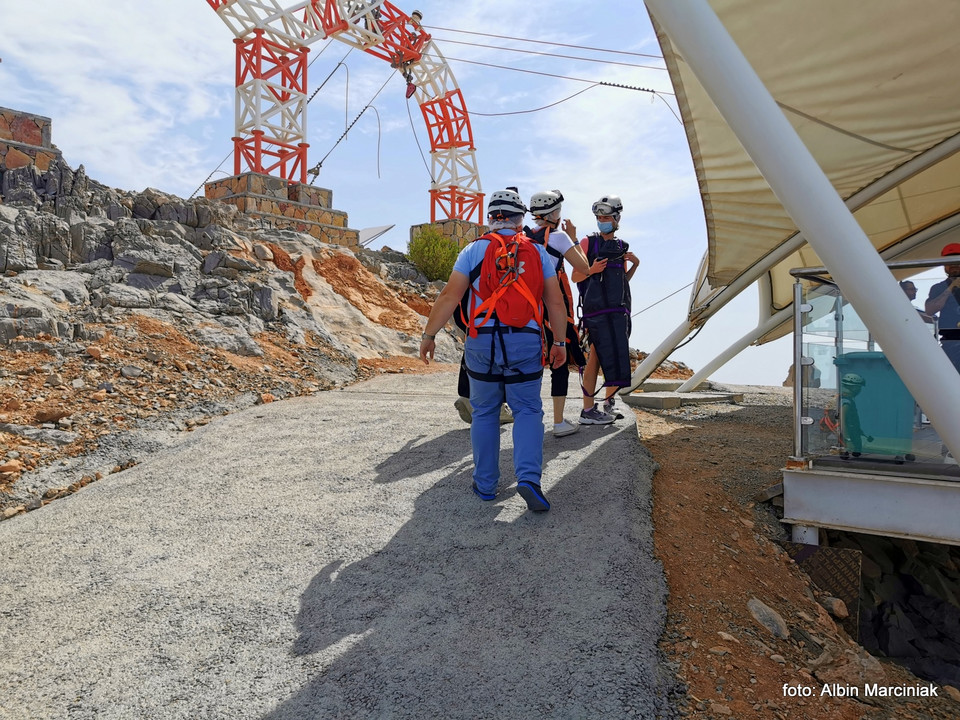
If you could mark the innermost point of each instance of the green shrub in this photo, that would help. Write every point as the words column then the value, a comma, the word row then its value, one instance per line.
column 432, row 253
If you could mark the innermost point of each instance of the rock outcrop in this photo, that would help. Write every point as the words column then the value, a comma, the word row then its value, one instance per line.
column 75, row 253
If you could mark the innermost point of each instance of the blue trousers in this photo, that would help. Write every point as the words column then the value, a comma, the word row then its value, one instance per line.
column 501, row 358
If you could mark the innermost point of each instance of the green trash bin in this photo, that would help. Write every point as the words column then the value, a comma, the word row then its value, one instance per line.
column 885, row 407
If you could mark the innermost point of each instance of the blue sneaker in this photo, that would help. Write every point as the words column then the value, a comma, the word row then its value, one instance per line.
column 533, row 494
column 482, row 495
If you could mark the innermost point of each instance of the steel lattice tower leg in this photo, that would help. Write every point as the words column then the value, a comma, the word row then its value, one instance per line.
column 271, row 108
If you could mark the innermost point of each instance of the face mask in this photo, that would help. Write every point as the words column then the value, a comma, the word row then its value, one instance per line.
column 605, row 227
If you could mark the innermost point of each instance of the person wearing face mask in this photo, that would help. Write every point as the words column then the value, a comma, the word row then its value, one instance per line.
column 944, row 301
column 605, row 311
column 545, row 207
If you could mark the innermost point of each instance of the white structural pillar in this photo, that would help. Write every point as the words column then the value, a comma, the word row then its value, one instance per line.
column 809, row 198
column 772, row 323
column 662, row 352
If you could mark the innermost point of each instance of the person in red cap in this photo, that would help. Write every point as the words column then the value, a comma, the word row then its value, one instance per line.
column 944, row 300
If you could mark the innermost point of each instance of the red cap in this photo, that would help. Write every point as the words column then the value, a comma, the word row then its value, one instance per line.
column 951, row 249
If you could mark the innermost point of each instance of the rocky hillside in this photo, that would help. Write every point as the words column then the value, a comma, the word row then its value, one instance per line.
column 117, row 308
column 125, row 316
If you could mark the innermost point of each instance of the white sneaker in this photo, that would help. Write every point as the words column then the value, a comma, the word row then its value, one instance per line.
column 564, row 428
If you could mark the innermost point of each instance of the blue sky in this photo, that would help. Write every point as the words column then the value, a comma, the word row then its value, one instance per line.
column 141, row 93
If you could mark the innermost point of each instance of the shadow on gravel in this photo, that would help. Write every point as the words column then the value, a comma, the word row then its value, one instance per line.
column 485, row 610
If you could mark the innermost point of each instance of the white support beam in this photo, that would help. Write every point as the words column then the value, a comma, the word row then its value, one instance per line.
column 813, row 204
column 662, row 352
column 881, row 504
column 772, row 323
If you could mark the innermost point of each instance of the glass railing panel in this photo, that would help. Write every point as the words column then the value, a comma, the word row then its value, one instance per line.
column 855, row 405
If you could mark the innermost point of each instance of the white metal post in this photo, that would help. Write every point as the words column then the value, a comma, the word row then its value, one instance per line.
column 809, row 198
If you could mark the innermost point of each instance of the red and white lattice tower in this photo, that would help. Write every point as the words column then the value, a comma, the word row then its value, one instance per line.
column 271, row 103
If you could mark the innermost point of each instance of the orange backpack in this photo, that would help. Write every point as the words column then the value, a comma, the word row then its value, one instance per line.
column 510, row 283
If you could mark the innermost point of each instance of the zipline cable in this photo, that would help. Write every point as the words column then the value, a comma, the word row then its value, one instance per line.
column 546, row 42
column 315, row 170
column 553, row 55
column 524, row 112
column 667, row 297
column 422, row 156
column 554, row 75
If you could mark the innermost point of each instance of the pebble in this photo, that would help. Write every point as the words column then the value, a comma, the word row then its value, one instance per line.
column 131, row 371
column 11, row 466
column 836, row 607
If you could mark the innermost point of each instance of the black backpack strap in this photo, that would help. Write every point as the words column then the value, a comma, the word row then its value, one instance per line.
column 462, row 315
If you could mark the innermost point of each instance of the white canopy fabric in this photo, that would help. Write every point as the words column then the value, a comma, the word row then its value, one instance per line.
column 871, row 88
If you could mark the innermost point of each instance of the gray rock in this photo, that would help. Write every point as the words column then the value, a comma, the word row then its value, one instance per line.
column 59, row 286
column 768, row 618
column 19, row 186
column 50, row 437
column 154, row 267
column 94, row 266
column 148, row 282
column 232, row 340
column 241, row 264
column 226, row 272
column 8, row 214
column 212, row 261
column 124, row 296
column 266, row 303
column 16, row 251
column 175, row 302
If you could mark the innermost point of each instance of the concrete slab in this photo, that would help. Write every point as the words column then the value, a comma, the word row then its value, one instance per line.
column 665, row 385
column 671, row 400
column 653, row 400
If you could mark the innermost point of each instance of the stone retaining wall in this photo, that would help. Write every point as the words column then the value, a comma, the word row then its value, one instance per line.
column 284, row 205
column 463, row 231
column 25, row 140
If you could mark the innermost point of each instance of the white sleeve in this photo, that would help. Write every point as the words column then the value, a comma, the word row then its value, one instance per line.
column 560, row 241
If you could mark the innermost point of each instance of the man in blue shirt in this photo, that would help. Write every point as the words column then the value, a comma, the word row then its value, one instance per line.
column 944, row 300
column 504, row 363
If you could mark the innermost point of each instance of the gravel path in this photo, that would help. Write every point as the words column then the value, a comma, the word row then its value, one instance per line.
column 323, row 557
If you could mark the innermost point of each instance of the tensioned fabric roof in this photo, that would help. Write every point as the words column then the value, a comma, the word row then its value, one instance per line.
column 871, row 86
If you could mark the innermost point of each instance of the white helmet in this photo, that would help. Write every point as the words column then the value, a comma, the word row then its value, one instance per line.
column 505, row 202
column 608, row 205
column 544, row 203
column 853, row 380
